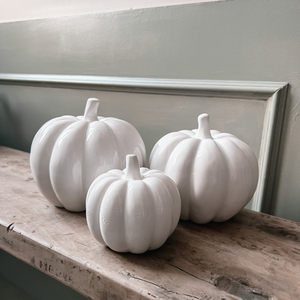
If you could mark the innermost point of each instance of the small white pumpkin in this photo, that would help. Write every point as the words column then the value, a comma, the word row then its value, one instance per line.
column 133, row 210
column 68, row 153
column 216, row 173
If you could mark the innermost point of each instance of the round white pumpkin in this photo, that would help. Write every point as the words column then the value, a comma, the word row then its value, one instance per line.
column 216, row 173
column 133, row 210
column 68, row 153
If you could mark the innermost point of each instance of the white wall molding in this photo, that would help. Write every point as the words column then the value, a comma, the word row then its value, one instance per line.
column 246, row 89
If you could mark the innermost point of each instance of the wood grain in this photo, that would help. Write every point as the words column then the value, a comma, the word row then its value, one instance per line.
column 251, row 256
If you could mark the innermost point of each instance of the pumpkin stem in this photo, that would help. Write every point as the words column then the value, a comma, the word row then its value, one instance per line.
column 132, row 170
column 203, row 131
column 91, row 109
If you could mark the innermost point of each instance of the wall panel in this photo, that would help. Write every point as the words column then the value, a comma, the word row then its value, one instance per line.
column 252, row 111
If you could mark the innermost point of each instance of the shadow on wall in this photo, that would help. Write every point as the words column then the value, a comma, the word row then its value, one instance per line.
column 10, row 125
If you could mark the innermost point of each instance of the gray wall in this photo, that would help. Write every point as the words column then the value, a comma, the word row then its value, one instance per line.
column 19, row 281
column 231, row 40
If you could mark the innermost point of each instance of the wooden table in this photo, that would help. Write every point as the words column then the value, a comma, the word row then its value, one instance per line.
column 251, row 256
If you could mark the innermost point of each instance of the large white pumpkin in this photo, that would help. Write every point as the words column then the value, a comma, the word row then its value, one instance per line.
column 133, row 210
column 216, row 173
column 68, row 153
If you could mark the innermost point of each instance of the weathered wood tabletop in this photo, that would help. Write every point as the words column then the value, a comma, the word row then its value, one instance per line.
column 251, row 256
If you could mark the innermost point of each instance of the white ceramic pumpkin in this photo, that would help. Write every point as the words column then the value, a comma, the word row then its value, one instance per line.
column 216, row 173
column 68, row 153
column 133, row 210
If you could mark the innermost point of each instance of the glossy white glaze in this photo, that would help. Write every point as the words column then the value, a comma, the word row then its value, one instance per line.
column 216, row 173
column 68, row 153
column 133, row 210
